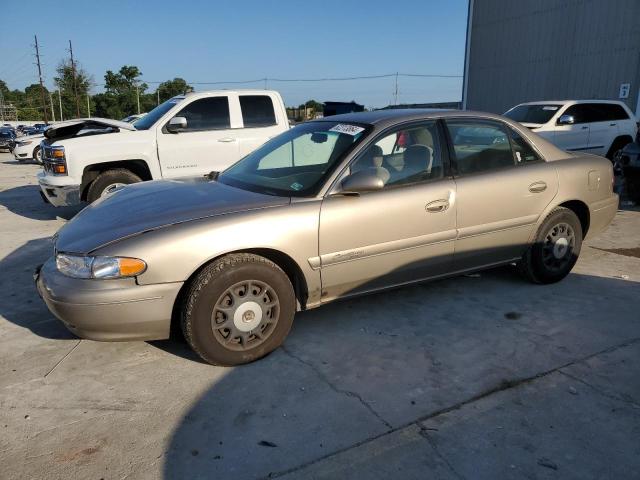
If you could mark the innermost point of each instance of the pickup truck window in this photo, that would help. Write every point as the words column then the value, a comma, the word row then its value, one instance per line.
column 206, row 114
column 146, row 122
column 257, row 111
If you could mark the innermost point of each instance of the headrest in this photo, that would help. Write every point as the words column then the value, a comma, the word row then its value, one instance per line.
column 417, row 157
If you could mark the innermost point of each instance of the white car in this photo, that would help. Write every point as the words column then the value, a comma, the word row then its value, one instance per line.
column 601, row 127
column 28, row 148
column 187, row 136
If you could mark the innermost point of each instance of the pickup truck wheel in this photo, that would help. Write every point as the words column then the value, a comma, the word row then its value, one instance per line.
column 37, row 155
column 238, row 309
column 555, row 249
column 108, row 181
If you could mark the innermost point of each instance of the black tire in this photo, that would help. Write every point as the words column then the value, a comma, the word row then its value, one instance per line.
column 213, row 334
column 550, row 259
column 617, row 145
column 108, row 178
column 37, row 155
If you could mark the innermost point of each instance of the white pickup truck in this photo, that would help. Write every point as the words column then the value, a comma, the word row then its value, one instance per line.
column 187, row 136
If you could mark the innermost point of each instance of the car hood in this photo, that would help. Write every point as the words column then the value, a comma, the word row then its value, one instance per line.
column 72, row 127
column 152, row 205
column 30, row 138
column 530, row 125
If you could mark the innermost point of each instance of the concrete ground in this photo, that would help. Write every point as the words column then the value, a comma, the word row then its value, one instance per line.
column 483, row 376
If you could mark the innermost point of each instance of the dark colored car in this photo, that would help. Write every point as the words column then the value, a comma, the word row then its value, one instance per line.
column 7, row 140
column 627, row 163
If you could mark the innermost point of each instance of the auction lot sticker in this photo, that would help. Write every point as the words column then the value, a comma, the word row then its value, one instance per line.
column 348, row 129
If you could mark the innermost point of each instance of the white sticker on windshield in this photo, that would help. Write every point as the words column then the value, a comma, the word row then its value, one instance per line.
column 550, row 107
column 348, row 129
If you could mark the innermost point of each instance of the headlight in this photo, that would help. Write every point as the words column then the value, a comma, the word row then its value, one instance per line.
column 99, row 267
column 22, row 144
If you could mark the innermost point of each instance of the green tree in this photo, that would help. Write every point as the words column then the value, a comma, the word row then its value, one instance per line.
column 65, row 82
column 171, row 88
column 122, row 90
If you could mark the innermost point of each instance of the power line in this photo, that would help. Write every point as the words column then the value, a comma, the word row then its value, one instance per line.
column 321, row 79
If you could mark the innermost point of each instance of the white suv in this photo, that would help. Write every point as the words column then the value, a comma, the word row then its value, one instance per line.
column 601, row 127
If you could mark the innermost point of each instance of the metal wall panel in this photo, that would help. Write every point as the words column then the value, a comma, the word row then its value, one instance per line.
column 528, row 50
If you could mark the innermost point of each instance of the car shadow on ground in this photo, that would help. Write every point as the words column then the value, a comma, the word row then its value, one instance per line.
column 27, row 202
column 20, row 303
column 17, row 162
column 355, row 369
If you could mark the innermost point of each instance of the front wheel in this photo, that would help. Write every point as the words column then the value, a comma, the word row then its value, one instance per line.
column 238, row 309
column 555, row 249
column 107, row 182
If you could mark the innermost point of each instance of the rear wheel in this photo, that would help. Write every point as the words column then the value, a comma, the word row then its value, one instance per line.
column 109, row 181
column 238, row 309
column 616, row 147
column 555, row 249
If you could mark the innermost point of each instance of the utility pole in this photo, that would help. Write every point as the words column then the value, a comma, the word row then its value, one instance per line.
column 53, row 112
column 1, row 106
column 75, row 88
column 88, row 107
column 60, row 103
column 44, row 102
column 138, row 97
column 158, row 93
column 395, row 94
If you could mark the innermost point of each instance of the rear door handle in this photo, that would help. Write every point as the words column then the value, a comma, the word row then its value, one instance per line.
column 437, row 206
column 226, row 140
column 537, row 187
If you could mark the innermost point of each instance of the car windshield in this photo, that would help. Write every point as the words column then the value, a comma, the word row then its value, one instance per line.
column 146, row 122
column 532, row 113
column 298, row 161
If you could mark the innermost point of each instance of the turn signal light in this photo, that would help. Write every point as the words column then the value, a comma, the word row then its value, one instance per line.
column 61, row 169
column 130, row 267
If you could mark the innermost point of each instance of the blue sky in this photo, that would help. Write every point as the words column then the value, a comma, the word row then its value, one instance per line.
column 244, row 40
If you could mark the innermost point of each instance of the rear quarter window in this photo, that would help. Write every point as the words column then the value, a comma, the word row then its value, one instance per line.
column 257, row 111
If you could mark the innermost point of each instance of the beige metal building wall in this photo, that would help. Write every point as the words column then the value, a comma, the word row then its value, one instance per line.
column 527, row 50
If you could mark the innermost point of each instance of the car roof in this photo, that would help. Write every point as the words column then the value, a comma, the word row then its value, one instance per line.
column 566, row 102
column 382, row 118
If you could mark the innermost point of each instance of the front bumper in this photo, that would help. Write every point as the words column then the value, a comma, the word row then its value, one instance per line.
column 59, row 195
column 108, row 310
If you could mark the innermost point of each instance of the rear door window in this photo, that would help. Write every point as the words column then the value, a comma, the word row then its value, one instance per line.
column 257, row 111
column 479, row 146
column 522, row 150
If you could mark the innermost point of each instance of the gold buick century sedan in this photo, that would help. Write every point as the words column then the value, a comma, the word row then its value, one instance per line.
column 336, row 207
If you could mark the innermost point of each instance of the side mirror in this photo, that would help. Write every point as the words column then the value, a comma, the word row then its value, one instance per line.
column 176, row 124
column 566, row 120
column 367, row 180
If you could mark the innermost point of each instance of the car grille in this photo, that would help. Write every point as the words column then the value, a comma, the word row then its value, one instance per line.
column 48, row 161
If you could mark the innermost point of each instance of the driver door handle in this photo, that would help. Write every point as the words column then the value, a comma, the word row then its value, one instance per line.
column 437, row 206
column 537, row 187
column 226, row 140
